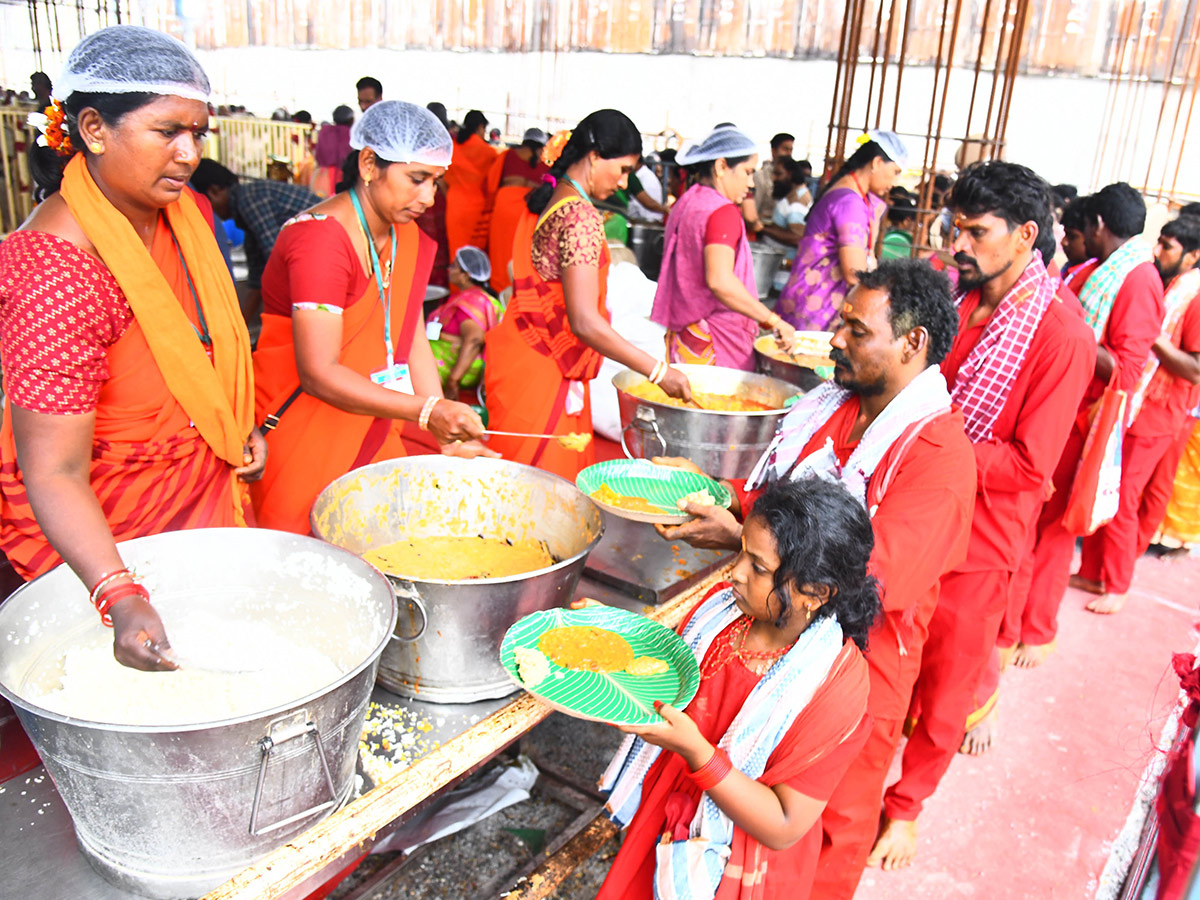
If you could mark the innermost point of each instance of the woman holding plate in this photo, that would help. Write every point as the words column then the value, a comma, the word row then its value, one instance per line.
column 781, row 670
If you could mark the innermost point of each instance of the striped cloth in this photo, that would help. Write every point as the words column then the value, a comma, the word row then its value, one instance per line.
column 987, row 374
column 1177, row 300
column 1100, row 290
column 692, row 869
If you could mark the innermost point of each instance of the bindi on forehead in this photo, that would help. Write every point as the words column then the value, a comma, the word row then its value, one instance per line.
column 847, row 309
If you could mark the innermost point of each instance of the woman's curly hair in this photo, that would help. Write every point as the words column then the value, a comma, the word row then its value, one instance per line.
column 822, row 536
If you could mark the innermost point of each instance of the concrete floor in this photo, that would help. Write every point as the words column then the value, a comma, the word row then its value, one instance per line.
column 1033, row 818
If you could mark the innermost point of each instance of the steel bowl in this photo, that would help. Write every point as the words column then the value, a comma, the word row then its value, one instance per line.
column 458, row 624
column 174, row 811
column 722, row 444
column 804, row 377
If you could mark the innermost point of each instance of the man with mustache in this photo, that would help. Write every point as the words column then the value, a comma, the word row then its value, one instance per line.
column 1167, row 390
column 884, row 428
column 1122, row 302
column 1020, row 363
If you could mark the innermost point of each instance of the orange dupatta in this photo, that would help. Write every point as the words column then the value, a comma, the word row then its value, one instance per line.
column 314, row 442
column 534, row 357
column 218, row 395
column 165, row 442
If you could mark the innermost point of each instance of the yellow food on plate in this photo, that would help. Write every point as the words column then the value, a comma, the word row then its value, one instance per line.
column 702, row 497
column 710, row 402
column 586, row 647
column 606, row 495
column 459, row 558
column 575, row 440
column 811, row 349
column 647, row 665
column 532, row 666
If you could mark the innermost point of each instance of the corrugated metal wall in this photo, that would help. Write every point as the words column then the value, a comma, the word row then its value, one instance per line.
column 1075, row 36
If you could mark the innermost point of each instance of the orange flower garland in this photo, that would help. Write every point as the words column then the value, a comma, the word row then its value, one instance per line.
column 554, row 147
column 52, row 123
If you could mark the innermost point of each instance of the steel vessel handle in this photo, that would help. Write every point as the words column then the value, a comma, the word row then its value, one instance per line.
column 280, row 732
column 643, row 420
column 406, row 590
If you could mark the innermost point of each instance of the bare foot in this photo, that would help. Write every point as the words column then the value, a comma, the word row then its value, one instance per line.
column 979, row 739
column 1006, row 656
column 896, row 845
column 1107, row 604
column 1086, row 584
column 1030, row 655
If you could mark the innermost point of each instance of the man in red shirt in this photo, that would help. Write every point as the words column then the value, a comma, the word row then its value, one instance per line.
column 1122, row 301
column 885, row 429
column 1168, row 388
column 1017, row 371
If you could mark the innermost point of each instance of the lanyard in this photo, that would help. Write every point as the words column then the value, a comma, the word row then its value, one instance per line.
column 385, row 292
column 201, row 332
column 575, row 184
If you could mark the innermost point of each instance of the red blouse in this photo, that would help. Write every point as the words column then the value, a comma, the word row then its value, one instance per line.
column 60, row 311
column 314, row 264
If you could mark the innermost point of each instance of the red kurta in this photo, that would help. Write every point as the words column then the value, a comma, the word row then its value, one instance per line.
column 921, row 527
column 1013, row 470
column 1133, row 326
column 669, row 799
column 1109, row 555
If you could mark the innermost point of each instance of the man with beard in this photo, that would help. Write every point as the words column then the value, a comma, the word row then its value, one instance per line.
column 1168, row 389
column 1122, row 302
column 885, row 429
column 1017, row 371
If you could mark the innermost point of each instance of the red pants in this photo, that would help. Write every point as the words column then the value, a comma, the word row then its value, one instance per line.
column 1162, row 484
column 1109, row 555
column 1039, row 585
column 851, row 818
column 962, row 638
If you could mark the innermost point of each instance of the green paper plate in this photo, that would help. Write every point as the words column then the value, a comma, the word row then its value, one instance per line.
column 662, row 486
column 615, row 697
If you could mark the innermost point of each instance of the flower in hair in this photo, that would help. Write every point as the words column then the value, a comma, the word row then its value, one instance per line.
column 554, row 147
column 52, row 123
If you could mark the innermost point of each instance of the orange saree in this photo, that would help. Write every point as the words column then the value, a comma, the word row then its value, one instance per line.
column 507, row 205
column 170, row 425
column 315, row 443
column 536, row 378
column 466, row 199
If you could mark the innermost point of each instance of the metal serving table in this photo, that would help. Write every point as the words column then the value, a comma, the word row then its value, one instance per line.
column 38, row 839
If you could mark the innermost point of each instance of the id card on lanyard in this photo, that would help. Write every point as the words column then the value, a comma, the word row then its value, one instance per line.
column 394, row 376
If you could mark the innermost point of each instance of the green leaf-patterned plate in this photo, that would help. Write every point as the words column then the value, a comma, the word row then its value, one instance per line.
column 616, row 697
column 662, row 486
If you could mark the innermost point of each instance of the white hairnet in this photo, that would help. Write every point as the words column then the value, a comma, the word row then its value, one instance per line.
column 474, row 262
column 403, row 132
column 892, row 146
column 721, row 143
column 127, row 59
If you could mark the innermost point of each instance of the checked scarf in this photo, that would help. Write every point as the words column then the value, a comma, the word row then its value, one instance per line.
column 1102, row 286
column 987, row 374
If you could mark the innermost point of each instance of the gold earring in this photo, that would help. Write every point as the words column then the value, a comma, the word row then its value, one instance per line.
column 366, row 182
column 96, row 147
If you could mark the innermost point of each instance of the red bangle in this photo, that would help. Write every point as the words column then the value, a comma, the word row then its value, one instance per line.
column 107, row 600
column 105, row 580
column 713, row 772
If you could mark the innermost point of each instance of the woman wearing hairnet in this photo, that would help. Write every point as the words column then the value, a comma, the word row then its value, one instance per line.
column 343, row 371
column 556, row 331
column 840, row 233
column 126, row 361
column 706, row 297
column 457, row 327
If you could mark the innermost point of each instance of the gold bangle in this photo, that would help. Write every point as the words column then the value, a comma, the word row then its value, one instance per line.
column 773, row 321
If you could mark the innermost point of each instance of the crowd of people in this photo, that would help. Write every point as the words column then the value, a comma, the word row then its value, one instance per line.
column 906, row 537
